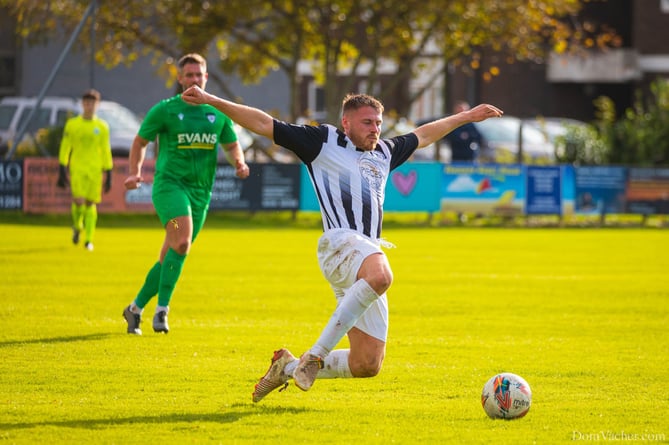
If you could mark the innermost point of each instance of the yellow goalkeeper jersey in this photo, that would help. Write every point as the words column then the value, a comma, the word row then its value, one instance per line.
column 85, row 146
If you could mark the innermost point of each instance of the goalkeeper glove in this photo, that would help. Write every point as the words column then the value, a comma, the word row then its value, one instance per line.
column 108, row 180
column 62, row 176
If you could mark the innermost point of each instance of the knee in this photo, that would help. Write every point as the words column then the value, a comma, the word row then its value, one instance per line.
column 376, row 271
column 182, row 246
column 380, row 280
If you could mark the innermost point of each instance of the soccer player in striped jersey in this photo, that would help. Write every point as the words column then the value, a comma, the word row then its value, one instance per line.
column 349, row 168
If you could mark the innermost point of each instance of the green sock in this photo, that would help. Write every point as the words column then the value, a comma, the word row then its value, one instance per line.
column 169, row 275
column 90, row 221
column 77, row 216
column 150, row 287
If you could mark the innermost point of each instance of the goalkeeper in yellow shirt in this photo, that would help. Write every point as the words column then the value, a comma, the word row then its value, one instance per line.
column 85, row 148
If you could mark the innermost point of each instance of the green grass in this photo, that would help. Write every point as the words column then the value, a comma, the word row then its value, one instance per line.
column 581, row 314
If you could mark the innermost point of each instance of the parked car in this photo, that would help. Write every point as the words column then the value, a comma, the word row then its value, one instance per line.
column 552, row 127
column 54, row 111
column 501, row 138
column 559, row 131
column 500, row 143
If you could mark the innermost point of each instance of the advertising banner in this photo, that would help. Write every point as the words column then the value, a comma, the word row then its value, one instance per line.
column 493, row 189
column 600, row 190
column 568, row 189
column 268, row 187
column 544, row 187
column 42, row 196
column 648, row 191
column 11, row 185
column 414, row 187
column 410, row 187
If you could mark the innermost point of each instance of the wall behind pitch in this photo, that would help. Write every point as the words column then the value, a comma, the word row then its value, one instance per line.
column 412, row 187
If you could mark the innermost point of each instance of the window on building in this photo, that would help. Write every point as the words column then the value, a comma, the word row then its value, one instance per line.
column 316, row 102
column 7, row 75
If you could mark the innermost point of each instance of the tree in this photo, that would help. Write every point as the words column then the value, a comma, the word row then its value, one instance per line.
column 641, row 136
column 340, row 39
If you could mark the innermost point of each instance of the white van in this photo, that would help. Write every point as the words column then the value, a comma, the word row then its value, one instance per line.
column 54, row 111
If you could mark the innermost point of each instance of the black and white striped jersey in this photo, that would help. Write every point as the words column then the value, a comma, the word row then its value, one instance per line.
column 349, row 183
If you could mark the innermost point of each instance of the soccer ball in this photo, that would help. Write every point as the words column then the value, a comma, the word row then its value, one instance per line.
column 506, row 396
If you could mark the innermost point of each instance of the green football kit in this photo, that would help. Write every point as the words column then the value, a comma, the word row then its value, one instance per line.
column 188, row 137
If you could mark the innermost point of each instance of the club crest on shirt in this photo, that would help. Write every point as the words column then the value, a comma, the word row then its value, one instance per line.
column 180, row 116
column 211, row 117
column 371, row 169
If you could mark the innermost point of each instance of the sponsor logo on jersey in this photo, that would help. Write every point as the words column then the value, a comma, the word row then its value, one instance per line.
column 197, row 140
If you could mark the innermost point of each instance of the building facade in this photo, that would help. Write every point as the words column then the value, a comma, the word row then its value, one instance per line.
column 567, row 86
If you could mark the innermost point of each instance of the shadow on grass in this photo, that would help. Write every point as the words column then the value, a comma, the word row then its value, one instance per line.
column 68, row 339
column 240, row 411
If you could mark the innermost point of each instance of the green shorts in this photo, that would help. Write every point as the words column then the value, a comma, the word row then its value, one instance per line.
column 172, row 199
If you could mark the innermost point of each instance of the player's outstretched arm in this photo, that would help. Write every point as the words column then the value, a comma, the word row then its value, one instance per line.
column 433, row 131
column 250, row 118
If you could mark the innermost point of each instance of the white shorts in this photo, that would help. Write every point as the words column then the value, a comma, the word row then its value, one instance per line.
column 340, row 255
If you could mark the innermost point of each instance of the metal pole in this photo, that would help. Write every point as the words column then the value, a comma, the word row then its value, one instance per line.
column 22, row 129
column 92, row 61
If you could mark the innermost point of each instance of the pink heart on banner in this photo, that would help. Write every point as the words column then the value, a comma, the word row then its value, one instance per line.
column 405, row 183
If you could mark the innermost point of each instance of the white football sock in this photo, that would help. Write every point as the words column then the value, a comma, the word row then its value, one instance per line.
column 335, row 365
column 290, row 367
column 355, row 302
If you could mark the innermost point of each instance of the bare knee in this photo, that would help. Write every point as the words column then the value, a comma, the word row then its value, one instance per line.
column 182, row 247
column 376, row 271
column 178, row 235
column 380, row 279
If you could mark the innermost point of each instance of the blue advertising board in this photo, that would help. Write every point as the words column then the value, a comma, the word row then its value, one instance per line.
column 544, row 191
column 568, row 189
column 600, row 190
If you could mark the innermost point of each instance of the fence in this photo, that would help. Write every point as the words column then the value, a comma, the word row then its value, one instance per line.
column 28, row 185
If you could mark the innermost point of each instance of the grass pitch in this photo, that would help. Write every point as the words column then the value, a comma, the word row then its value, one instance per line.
column 581, row 314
